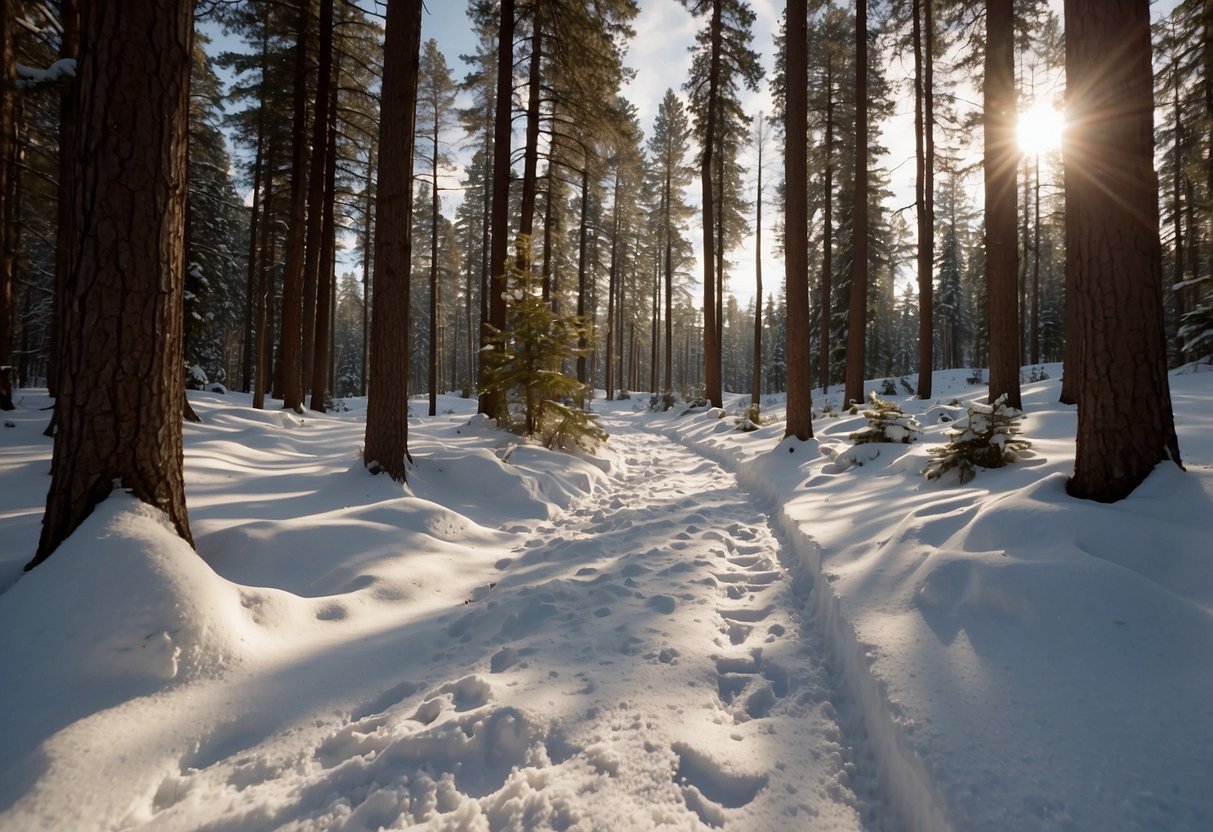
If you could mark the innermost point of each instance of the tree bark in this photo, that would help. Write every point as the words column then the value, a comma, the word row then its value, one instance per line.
column 493, row 404
column 122, row 380
column 796, row 213
column 711, row 345
column 924, row 184
column 312, row 258
column 1000, row 165
column 1125, row 422
column 857, row 314
column 261, row 313
column 756, row 378
column 291, row 332
column 328, row 244
column 827, row 222
column 386, row 449
column 8, row 147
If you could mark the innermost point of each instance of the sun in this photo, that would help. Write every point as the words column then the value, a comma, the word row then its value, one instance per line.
column 1038, row 130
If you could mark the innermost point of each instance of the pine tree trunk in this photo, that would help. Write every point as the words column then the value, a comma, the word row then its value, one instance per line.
column 313, row 259
column 386, row 448
column 827, row 224
column 123, row 380
column 291, row 332
column 493, row 404
column 756, row 375
column 325, row 284
column 796, row 212
column 8, row 146
column 711, row 345
column 924, row 183
column 583, row 288
column 265, row 281
column 368, row 233
column 1000, row 162
column 669, row 283
column 435, row 216
column 1125, row 422
column 857, row 313
column 246, row 359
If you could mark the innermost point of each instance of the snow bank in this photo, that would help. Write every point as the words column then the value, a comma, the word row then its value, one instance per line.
column 1025, row 660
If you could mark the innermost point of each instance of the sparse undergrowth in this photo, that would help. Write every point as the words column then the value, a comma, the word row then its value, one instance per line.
column 987, row 439
column 886, row 423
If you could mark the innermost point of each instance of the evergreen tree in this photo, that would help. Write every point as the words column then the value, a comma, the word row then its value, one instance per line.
column 436, row 92
column 722, row 61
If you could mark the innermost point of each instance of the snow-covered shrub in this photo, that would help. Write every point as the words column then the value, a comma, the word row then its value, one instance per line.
column 750, row 419
column 886, row 423
column 196, row 378
column 888, row 388
column 663, row 401
column 1196, row 330
column 1038, row 374
column 987, row 439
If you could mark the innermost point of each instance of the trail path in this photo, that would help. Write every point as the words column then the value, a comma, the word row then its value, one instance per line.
column 641, row 661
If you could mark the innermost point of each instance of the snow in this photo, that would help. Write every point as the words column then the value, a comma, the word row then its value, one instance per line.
column 700, row 627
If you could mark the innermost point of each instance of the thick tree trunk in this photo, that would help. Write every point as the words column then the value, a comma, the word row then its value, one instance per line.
column 122, row 380
column 1125, row 422
column 493, row 404
column 1000, row 164
column 291, row 333
column 312, row 258
column 857, row 314
column 796, row 215
column 386, row 447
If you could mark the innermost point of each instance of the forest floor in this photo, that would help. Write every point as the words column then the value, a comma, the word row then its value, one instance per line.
column 698, row 627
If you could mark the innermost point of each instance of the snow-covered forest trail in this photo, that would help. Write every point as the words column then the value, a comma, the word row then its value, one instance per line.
column 640, row 660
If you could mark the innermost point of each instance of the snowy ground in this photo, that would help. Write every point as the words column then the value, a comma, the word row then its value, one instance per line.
column 700, row 627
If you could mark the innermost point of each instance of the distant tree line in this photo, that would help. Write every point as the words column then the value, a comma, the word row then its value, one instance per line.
column 345, row 125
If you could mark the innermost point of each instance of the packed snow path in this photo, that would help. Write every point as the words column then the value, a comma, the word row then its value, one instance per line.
column 640, row 661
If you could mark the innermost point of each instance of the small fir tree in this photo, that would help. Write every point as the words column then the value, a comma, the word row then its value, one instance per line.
column 987, row 439
column 886, row 423
column 525, row 369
